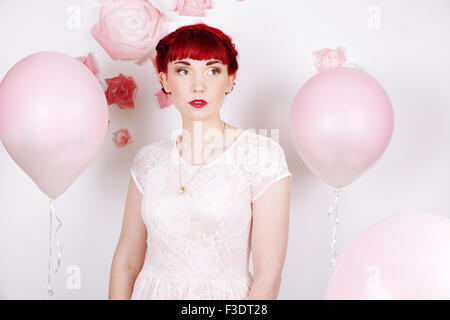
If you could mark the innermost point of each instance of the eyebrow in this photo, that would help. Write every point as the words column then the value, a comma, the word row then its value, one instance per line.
column 208, row 63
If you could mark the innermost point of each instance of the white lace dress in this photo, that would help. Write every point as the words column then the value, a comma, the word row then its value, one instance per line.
column 198, row 244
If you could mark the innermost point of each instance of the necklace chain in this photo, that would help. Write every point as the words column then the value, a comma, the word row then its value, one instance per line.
column 183, row 188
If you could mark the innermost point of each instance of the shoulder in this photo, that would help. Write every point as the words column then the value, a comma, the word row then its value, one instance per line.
column 151, row 151
column 263, row 146
column 259, row 150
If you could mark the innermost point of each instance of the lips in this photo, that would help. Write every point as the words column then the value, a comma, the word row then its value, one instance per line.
column 198, row 103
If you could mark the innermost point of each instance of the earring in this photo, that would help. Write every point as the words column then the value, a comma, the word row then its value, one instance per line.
column 231, row 88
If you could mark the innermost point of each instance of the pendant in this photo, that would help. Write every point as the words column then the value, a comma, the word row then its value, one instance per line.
column 181, row 190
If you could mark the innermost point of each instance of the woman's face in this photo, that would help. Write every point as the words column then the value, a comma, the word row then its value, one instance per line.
column 189, row 80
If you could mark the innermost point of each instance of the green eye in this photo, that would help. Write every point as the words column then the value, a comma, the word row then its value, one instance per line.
column 215, row 71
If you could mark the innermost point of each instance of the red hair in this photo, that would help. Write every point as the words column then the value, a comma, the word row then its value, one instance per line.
column 199, row 42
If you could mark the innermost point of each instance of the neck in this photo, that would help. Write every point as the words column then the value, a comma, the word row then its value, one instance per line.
column 204, row 139
column 205, row 131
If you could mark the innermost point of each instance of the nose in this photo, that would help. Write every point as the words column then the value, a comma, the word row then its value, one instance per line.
column 198, row 83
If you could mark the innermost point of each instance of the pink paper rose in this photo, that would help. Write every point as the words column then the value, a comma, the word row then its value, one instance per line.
column 88, row 62
column 329, row 58
column 164, row 99
column 127, row 29
column 192, row 7
column 122, row 137
column 121, row 91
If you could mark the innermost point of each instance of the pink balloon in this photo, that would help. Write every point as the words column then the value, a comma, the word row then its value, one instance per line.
column 341, row 123
column 403, row 257
column 53, row 118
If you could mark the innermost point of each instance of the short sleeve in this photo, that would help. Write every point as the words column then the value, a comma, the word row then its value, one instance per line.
column 270, row 167
column 138, row 167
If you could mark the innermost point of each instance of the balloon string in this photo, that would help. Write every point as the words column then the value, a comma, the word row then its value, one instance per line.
column 58, row 244
column 52, row 212
column 49, row 289
column 334, row 208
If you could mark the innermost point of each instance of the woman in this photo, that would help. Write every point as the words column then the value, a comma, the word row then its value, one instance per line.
column 190, row 221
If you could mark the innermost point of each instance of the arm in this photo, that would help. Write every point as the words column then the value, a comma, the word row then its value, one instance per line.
column 269, row 239
column 130, row 251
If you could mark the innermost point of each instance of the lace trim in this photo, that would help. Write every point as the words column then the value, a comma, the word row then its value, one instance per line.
column 151, row 286
column 284, row 175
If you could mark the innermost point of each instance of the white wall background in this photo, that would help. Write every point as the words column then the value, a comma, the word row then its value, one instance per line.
column 408, row 52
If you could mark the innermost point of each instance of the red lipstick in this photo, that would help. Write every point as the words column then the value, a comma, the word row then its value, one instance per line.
column 198, row 103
